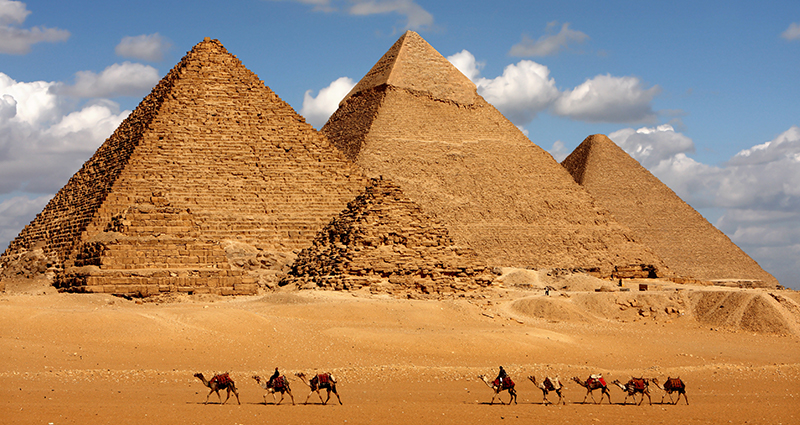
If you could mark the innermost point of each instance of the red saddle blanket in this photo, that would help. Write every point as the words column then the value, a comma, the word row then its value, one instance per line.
column 323, row 378
column 279, row 383
column 638, row 384
column 674, row 383
column 222, row 379
column 548, row 385
column 507, row 383
column 602, row 381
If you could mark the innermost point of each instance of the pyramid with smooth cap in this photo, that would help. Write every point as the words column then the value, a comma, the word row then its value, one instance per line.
column 416, row 120
column 211, row 161
column 689, row 245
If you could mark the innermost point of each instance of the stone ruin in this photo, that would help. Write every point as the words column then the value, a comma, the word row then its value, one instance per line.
column 386, row 242
column 213, row 184
column 689, row 245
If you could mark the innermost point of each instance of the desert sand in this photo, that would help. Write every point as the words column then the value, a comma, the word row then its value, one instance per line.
column 97, row 358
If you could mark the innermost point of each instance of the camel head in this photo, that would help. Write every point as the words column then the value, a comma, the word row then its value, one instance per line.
column 300, row 375
column 257, row 378
column 533, row 379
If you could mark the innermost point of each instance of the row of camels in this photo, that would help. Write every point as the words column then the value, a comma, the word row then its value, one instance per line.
column 594, row 382
column 276, row 384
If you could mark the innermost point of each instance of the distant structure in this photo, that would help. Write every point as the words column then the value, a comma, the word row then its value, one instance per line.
column 416, row 120
column 689, row 245
column 211, row 160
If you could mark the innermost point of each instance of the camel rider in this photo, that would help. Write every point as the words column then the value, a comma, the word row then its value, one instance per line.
column 501, row 376
column 274, row 376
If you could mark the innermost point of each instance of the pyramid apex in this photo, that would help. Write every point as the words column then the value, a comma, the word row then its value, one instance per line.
column 413, row 64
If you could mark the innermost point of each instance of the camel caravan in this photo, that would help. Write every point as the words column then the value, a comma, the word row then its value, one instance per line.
column 279, row 383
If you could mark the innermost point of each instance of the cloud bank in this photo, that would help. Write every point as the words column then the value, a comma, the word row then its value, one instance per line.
column 18, row 41
column 148, row 47
column 416, row 17
column 318, row 109
column 548, row 45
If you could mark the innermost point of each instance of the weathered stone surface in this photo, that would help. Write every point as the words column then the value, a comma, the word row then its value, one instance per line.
column 460, row 160
column 689, row 245
column 214, row 155
column 386, row 241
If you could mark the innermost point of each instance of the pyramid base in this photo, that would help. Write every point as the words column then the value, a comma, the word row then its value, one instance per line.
column 143, row 283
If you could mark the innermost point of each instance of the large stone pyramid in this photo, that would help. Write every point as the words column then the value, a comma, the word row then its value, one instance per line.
column 687, row 242
column 416, row 120
column 385, row 241
column 210, row 159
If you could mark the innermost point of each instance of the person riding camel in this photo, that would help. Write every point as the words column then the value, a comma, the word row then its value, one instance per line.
column 274, row 376
column 501, row 376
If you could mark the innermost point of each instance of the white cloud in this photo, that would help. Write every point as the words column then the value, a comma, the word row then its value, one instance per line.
column 318, row 109
column 18, row 41
column 417, row 17
column 524, row 90
column 608, row 99
column 148, row 47
column 17, row 212
column 548, row 45
column 559, row 151
column 465, row 62
column 650, row 146
column 13, row 12
column 793, row 32
column 125, row 79
column 41, row 143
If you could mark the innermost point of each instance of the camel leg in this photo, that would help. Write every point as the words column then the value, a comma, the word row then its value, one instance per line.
column 320, row 397
column 290, row 395
column 279, row 401
column 236, row 393
column 308, row 396
column 229, row 396
column 495, row 395
column 684, row 397
column 513, row 393
column 209, row 395
column 607, row 393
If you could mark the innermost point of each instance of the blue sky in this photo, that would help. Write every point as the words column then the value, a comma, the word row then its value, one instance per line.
column 704, row 94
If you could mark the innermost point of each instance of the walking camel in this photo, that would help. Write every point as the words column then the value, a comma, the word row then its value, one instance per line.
column 279, row 384
column 549, row 384
column 633, row 386
column 320, row 381
column 593, row 383
column 672, row 385
column 219, row 382
column 508, row 385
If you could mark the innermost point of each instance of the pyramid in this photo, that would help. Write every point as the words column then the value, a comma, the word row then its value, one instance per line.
column 417, row 121
column 689, row 245
column 210, row 157
column 385, row 241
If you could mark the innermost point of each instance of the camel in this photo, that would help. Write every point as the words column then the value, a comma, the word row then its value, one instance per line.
column 672, row 385
column 219, row 382
column 594, row 382
column 508, row 385
column 279, row 384
column 549, row 384
column 635, row 385
column 320, row 381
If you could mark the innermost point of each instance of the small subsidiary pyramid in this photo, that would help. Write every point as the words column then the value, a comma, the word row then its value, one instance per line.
column 385, row 241
column 689, row 245
column 417, row 121
column 210, row 164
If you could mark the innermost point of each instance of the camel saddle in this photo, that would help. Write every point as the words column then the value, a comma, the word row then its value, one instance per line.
column 279, row 383
column 548, row 385
column 674, row 383
column 507, row 383
column 638, row 383
column 222, row 379
column 598, row 378
column 323, row 378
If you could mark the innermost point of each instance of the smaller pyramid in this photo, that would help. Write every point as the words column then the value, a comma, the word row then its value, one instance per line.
column 688, row 244
column 385, row 241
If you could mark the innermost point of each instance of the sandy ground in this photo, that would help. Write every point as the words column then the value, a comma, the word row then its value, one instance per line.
column 79, row 359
